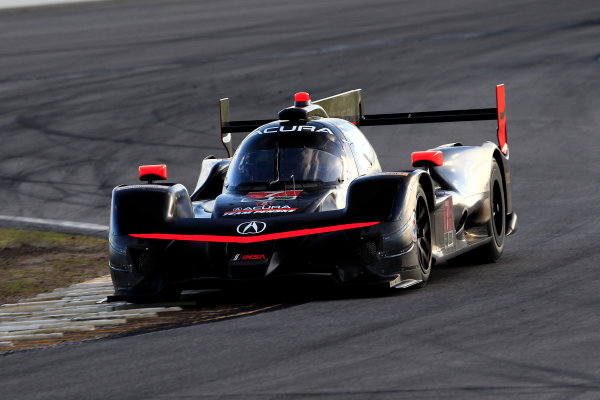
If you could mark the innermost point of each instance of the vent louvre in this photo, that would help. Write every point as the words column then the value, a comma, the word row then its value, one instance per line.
column 367, row 251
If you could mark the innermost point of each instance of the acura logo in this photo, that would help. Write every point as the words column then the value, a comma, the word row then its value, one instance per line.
column 251, row 227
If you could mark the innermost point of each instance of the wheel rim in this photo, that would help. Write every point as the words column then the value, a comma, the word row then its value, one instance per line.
column 497, row 210
column 423, row 235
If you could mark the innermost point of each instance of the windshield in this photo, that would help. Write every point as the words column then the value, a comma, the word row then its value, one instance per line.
column 284, row 165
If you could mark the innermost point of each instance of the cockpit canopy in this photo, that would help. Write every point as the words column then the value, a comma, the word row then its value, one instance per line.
column 278, row 155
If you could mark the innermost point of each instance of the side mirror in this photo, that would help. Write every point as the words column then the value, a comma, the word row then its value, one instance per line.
column 427, row 158
column 152, row 173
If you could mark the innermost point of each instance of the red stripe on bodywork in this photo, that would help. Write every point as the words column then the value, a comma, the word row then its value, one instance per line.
column 501, row 108
column 251, row 239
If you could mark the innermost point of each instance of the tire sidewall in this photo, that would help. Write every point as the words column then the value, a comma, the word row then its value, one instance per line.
column 497, row 242
column 424, row 272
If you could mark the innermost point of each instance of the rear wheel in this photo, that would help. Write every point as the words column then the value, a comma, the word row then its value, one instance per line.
column 497, row 223
column 423, row 227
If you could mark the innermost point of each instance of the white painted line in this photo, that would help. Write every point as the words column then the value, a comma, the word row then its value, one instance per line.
column 58, row 329
column 38, row 318
column 31, row 336
column 98, row 292
column 34, row 3
column 100, row 322
column 100, row 279
column 21, row 327
column 70, row 311
column 115, row 316
column 55, row 222
column 49, row 297
column 35, row 303
column 14, row 317
column 91, row 285
column 88, row 297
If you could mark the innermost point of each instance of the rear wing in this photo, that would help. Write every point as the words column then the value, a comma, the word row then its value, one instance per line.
column 349, row 106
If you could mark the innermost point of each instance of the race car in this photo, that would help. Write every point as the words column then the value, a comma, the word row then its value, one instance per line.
column 304, row 195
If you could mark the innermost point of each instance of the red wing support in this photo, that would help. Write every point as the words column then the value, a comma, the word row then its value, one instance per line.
column 501, row 109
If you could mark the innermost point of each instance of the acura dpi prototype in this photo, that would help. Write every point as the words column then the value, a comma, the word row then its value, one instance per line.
column 304, row 195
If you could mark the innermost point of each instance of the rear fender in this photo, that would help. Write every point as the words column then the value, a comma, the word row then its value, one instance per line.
column 467, row 169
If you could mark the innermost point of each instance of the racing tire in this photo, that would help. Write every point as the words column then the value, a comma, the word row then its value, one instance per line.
column 496, row 226
column 424, row 247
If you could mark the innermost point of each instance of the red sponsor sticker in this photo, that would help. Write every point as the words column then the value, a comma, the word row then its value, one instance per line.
column 272, row 196
column 249, row 257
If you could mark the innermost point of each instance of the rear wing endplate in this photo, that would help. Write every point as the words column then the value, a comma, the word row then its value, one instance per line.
column 349, row 106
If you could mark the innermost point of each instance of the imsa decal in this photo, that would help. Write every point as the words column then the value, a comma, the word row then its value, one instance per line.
column 249, row 257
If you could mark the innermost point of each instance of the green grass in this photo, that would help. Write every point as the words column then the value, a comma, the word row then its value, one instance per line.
column 33, row 262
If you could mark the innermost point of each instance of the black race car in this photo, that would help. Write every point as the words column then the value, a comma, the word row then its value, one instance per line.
column 305, row 195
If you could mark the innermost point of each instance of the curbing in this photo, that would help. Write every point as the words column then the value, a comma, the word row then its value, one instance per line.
column 78, row 308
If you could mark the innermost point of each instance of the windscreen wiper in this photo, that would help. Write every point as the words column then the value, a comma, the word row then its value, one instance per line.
column 276, row 167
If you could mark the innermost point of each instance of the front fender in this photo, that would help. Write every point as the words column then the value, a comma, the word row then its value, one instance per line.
column 142, row 207
column 387, row 196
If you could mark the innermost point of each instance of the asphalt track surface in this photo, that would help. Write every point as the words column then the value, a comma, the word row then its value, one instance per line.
column 89, row 92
